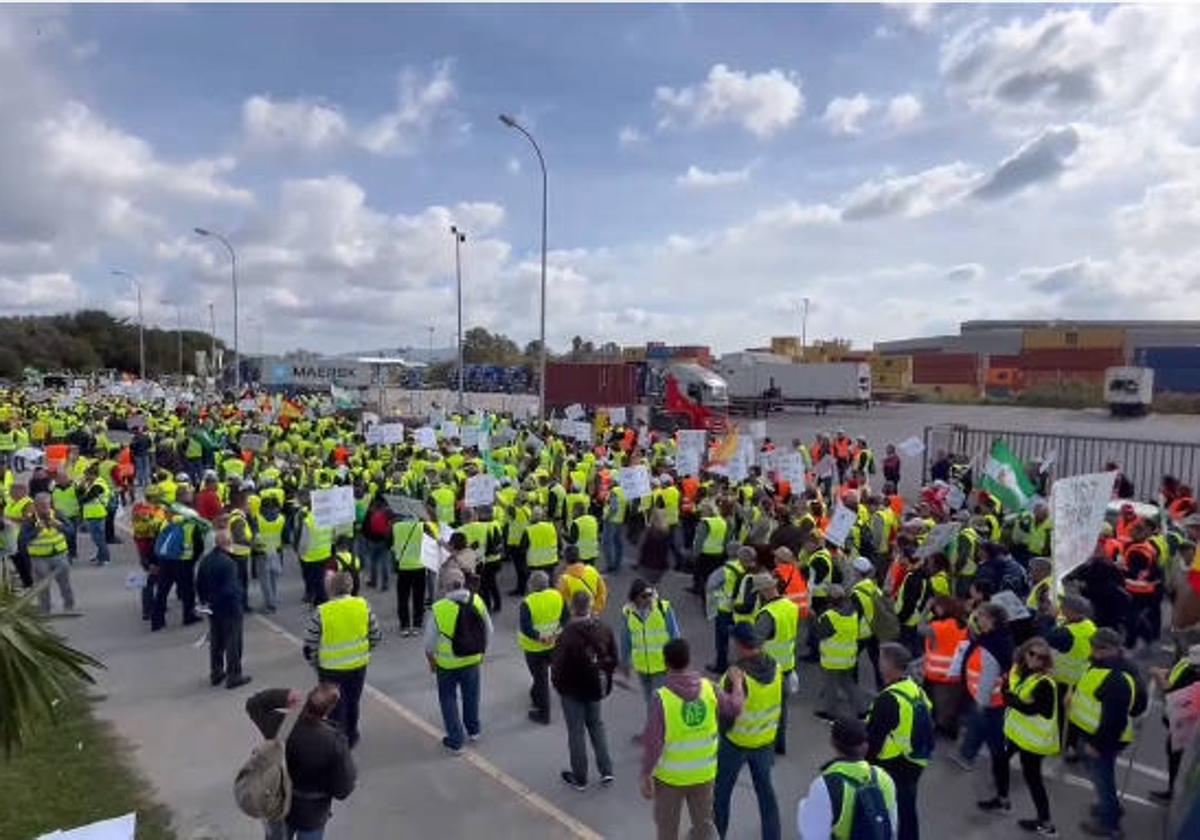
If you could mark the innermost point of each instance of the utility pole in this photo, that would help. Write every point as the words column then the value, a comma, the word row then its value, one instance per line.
column 459, row 239
column 212, row 335
column 804, row 324
column 179, row 335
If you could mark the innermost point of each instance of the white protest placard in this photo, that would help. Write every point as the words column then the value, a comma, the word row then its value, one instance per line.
column 938, row 538
column 1012, row 605
column 449, row 429
column 790, row 466
column 1077, row 506
column 484, row 444
column 436, row 415
column 839, row 527
column 911, row 447
column 74, row 393
column 480, row 491
column 118, row 828
column 253, row 442
column 758, row 429
column 469, row 435
column 616, row 415
column 739, row 465
column 432, row 553
column 635, row 481
column 582, row 431
column 687, row 463
column 333, row 507
column 385, row 434
column 575, row 412
column 769, row 461
column 426, row 437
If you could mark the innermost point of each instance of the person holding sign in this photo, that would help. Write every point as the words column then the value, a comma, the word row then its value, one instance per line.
column 315, row 549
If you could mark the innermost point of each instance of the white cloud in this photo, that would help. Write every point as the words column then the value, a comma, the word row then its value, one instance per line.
column 52, row 292
column 628, row 137
column 1167, row 215
column 695, row 177
column 912, row 196
column 304, row 124
column 422, row 101
column 762, row 103
column 919, row 16
column 904, row 110
column 1041, row 159
column 844, row 115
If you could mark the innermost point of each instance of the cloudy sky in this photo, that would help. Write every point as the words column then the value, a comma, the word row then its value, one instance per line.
column 904, row 167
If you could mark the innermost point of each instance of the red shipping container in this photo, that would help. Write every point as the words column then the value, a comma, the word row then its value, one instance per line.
column 1072, row 359
column 1004, row 361
column 590, row 385
column 945, row 369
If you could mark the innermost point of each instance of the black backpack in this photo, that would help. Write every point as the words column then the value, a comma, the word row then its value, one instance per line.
column 871, row 819
column 470, row 631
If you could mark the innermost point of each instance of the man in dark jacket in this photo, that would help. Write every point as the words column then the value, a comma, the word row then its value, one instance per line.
column 1109, row 695
column 902, row 749
column 318, row 757
column 217, row 586
column 584, row 661
column 999, row 569
column 1103, row 584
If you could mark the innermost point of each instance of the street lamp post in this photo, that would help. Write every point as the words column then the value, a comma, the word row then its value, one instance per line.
column 179, row 335
column 212, row 340
column 118, row 272
column 237, row 372
column 459, row 239
column 804, row 325
column 511, row 122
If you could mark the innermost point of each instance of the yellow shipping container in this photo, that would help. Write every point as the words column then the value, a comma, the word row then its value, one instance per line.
column 1084, row 338
column 785, row 345
column 950, row 392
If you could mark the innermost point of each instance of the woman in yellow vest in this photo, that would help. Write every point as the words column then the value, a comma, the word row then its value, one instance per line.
column 649, row 623
column 837, row 635
column 1031, row 723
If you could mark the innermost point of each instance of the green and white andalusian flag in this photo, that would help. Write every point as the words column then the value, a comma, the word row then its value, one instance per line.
column 1004, row 477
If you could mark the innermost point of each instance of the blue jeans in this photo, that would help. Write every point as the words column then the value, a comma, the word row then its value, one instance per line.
column 723, row 628
column 95, row 529
column 1104, row 777
column 730, row 759
column 449, row 682
column 986, row 726
column 612, row 543
column 280, row 831
column 142, row 469
column 379, row 562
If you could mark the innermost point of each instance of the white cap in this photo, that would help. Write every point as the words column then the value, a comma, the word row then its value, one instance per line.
column 862, row 564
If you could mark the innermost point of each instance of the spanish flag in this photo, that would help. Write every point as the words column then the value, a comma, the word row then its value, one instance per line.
column 724, row 451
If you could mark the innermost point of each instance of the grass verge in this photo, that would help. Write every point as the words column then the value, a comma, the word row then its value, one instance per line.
column 76, row 771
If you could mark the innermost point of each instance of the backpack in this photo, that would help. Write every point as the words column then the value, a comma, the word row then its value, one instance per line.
column 470, row 631
column 884, row 623
column 921, row 740
column 871, row 820
column 263, row 788
column 170, row 542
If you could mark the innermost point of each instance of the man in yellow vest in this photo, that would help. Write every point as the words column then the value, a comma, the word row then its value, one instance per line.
column 578, row 576
column 900, row 733
column 315, row 549
column 242, row 545
column 712, row 535
column 752, row 699
column 836, row 631
column 541, row 618
column 828, row 811
column 17, row 510
column 540, row 544
column 613, row 535
column 66, row 508
column 584, row 534
column 1107, row 698
column 1070, row 644
column 42, row 538
column 339, row 638
column 776, row 623
column 268, row 545
column 679, row 747
column 456, row 673
column 649, row 623
column 94, row 499
column 411, row 574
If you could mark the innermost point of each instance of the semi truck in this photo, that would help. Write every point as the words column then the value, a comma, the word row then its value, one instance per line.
column 1128, row 390
column 693, row 397
column 765, row 381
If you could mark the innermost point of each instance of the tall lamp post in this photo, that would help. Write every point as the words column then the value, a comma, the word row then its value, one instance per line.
column 459, row 239
column 120, row 272
column 179, row 335
column 237, row 371
column 511, row 122
column 804, row 324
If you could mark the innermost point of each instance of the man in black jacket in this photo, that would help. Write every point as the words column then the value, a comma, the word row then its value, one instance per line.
column 1109, row 695
column 217, row 586
column 1103, row 584
column 584, row 661
column 318, row 757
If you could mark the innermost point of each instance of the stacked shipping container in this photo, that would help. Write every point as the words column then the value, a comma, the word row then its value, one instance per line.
column 1176, row 369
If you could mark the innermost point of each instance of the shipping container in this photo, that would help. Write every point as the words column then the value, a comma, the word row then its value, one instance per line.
column 1066, row 359
column 1003, row 377
column 1082, row 338
column 590, row 384
column 1171, row 335
column 1161, row 358
column 1005, row 361
column 1041, row 378
column 910, row 346
column 1177, row 380
column 945, row 369
column 785, row 345
column 945, row 391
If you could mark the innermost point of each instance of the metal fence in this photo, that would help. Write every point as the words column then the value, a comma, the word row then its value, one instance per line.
column 1144, row 462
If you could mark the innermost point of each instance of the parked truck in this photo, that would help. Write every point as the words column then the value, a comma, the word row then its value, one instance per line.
column 764, row 381
column 1128, row 390
column 693, row 397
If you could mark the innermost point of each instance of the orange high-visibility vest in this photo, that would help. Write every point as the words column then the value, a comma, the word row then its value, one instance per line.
column 974, row 672
column 940, row 649
column 793, row 586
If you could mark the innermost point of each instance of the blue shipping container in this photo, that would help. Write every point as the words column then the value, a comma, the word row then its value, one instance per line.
column 1177, row 380
column 1161, row 358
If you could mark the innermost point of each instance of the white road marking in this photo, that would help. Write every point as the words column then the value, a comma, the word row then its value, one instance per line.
column 530, row 797
column 1079, row 781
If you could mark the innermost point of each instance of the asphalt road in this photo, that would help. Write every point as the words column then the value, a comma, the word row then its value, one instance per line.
column 189, row 738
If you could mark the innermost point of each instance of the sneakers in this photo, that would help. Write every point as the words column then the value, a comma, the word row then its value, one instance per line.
column 1162, row 797
column 237, row 682
column 474, row 737
column 1095, row 828
column 449, row 745
column 1035, row 826
column 606, row 779
column 995, row 805
column 539, row 717
column 570, row 781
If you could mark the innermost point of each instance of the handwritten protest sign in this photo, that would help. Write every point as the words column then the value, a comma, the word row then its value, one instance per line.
column 332, row 507
column 1077, row 506
column 426, row 437
column 253, row 442
column 790, row 466
column 480, row 490
column 839, row 527
column 385, row 434
column 635, row 481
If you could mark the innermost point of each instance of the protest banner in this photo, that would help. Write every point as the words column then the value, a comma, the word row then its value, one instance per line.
column 687, row 463
column 333, row 507
column 790, row 466
column 575, row 412
column 616, row 416
column 469, row 435
column 385, row 434
column 839, row 528
column 253, row 442
column 426, row 437
column 432, row 553
column 691, row 440
column 1183, row 715
column 1077, row 506
column 480, row 490
column 635, row 481
column 582, row 431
